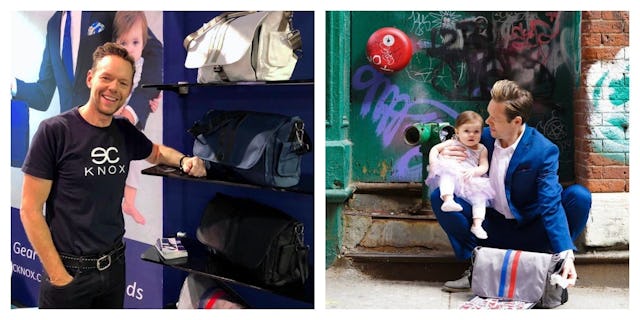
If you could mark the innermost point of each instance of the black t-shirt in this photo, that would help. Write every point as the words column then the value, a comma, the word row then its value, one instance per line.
column 88, row 166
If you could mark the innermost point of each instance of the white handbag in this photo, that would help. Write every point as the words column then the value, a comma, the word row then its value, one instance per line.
column 244, row 46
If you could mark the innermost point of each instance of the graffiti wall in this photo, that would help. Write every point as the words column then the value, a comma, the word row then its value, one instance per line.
column 457, row 56
column 609, row 97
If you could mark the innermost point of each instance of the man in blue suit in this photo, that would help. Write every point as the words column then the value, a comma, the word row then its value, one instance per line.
column 96, row 28
column 531, row 211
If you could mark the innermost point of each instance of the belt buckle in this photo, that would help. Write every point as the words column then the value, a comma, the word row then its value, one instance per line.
column 99, row 262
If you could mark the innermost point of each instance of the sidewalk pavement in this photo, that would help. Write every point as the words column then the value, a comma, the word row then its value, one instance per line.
column 348, row 288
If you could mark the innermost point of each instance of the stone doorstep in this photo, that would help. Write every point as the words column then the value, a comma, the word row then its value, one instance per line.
column 595, row 269
column 607, row 228
column 608, row 224
column 403, row 255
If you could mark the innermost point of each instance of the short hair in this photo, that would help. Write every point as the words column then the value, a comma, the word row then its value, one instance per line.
column 124, row 21
column 518, row 101
column 468, row 116
column 112, row 49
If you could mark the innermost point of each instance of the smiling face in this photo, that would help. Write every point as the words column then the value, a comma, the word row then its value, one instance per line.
column 110, row 83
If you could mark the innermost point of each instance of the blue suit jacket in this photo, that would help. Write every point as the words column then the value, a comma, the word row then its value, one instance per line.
column 532, row 186
column 38, row 95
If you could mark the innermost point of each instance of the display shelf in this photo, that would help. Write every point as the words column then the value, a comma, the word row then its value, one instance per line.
column 305, row 186
column 201, row 261
column 183, row 87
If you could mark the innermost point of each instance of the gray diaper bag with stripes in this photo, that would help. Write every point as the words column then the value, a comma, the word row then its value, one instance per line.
column 515, row 275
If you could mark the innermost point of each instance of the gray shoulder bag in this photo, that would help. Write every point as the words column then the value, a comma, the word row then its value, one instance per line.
column 515, row 275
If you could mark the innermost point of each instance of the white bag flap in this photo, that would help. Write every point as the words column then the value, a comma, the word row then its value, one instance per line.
column 236, row 41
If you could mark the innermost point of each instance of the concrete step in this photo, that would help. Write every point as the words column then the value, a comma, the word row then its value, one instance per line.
column 378, row 229
column 414, row 247
column 595, row 268
column 390, row 215
column 391, row 198
column 390, row 232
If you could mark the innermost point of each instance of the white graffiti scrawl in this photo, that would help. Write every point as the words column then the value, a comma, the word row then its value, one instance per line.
column 608, row 90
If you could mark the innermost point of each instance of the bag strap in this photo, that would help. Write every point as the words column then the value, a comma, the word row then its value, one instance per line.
column 293, row 37
column 287, row 16
column 301, row 140
column 301, row 252
column 207, row 26
column 211, row 122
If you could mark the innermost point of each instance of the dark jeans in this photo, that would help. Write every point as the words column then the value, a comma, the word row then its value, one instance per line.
column 89, row 289
column 506, row 233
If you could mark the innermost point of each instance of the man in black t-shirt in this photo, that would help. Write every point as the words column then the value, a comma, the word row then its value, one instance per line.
column 77, row 164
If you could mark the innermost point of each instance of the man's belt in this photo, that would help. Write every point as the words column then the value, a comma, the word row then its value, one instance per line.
column 100, row 262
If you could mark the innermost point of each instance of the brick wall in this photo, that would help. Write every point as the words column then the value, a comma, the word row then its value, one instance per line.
column 601, row 107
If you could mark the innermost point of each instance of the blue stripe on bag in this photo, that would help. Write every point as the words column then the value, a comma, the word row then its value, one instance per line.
column 503, row 273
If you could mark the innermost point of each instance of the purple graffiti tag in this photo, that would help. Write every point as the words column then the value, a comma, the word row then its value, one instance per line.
column 390, row 106
column 404, row 170
column 392, row 113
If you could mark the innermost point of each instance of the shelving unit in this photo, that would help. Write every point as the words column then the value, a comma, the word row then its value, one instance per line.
column 305, row 185
column 183, row 88
column 201, row 261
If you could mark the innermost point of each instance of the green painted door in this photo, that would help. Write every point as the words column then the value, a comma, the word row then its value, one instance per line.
column 457, row 56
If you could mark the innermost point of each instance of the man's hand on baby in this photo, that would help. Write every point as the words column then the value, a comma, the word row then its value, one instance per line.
column 454, row 152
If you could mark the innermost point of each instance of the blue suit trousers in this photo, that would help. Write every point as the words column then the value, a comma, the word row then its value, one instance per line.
column 507, row 233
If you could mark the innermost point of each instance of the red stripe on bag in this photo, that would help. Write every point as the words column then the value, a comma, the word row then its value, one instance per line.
column 514, row 272
column 214, row 297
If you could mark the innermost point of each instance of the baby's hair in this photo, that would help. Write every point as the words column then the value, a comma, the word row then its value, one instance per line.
column 124, row 21
column 468, row 116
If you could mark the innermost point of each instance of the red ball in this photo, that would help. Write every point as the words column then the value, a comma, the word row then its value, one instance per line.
column 389, row 50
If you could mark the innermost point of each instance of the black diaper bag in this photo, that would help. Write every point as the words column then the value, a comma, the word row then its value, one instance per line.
column 254, row 147
column 262, row 242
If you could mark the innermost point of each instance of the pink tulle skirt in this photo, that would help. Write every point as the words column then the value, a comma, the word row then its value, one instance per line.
column 477, row 190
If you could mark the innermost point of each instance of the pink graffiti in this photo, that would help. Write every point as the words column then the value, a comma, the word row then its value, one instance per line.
column 534, row 34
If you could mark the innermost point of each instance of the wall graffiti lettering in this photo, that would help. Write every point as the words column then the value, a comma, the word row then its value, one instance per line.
column 391, row 110
column 457, row 56
column 469, row 54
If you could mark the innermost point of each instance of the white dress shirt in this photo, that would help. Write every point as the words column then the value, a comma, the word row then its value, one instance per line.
column 499, row 165
column 497, row 172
